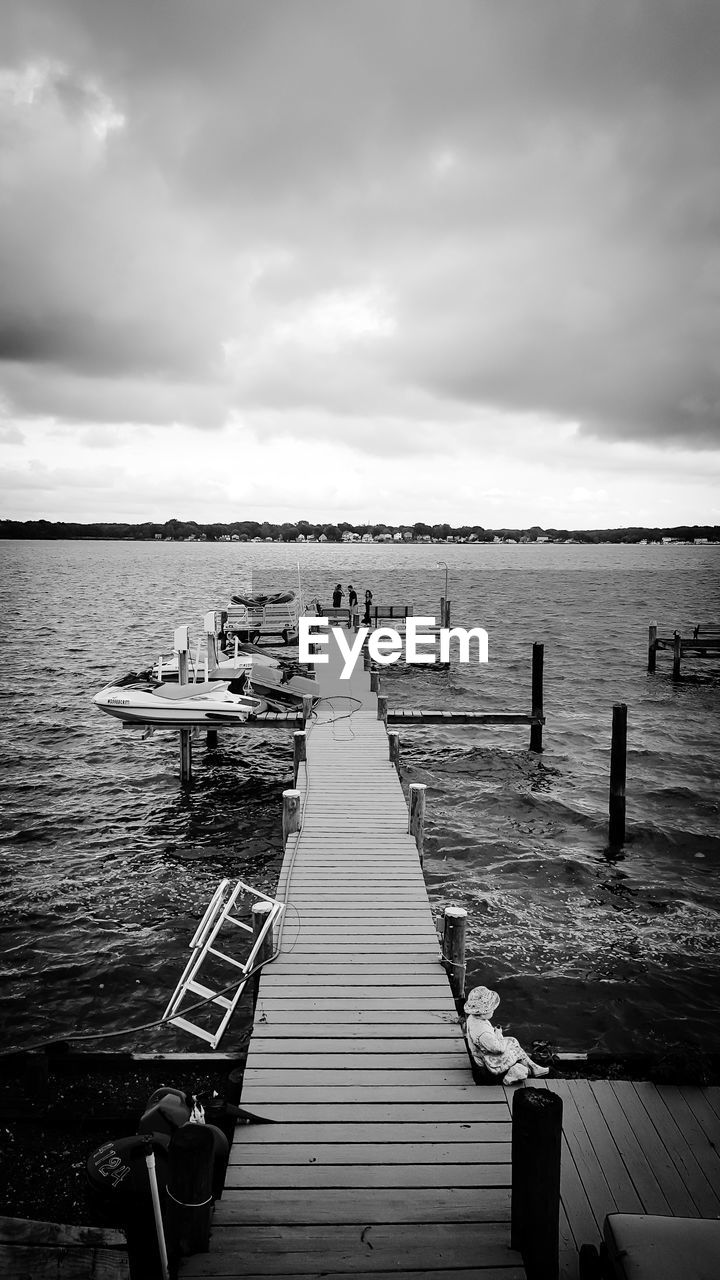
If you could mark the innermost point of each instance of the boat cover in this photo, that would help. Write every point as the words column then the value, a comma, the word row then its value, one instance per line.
column 259, row 602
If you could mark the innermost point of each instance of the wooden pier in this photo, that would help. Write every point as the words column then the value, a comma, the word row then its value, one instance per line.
column 373, row 1151
column 382, row 1156
column 704, row 643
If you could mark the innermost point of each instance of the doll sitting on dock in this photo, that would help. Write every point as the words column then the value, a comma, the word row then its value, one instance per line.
column 499, row 1055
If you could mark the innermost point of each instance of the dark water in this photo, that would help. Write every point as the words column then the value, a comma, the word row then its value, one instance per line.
column 106, row 866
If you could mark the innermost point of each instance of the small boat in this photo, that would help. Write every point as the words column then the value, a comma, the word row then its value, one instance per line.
column 252, row 617
column 210, row 703
column 278, row 681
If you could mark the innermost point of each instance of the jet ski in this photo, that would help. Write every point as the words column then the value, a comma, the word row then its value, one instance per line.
column 210, row 703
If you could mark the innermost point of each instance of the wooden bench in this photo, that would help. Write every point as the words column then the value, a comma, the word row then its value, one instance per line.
column 380, row 614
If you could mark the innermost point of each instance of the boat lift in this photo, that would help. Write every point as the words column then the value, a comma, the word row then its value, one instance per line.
column 222, row 912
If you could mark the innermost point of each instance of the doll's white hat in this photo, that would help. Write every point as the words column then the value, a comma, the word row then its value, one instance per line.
column 482, row 1002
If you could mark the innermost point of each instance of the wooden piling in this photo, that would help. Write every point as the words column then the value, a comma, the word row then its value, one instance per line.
column 416, row 816
column 374, row 680
column 394, row 749
column 212, row 739
column 652, row 651
column 535, row 1196
column 538, row 654
column 446, row 618
column 307, row 704
column 618, row 757
column 260, row 911
column 290, row 813
column 189, row 1191
column 299, row 751
column 442, row 622
column 677, row 654
column 382, row 707
column 453, row 948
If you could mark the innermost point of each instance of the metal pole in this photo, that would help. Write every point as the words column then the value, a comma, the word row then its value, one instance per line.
column 157, row 1211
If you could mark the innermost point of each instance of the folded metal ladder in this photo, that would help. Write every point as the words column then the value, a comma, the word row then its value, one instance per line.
column 204, row 944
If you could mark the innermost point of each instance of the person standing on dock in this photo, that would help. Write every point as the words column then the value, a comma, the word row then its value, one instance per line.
column 338, row 594
column 352, row 596
column 368, row 606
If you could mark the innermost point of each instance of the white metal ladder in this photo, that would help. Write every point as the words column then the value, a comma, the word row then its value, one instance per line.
column 204, row 944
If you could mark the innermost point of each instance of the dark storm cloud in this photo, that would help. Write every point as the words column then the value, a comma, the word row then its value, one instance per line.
column 532, row 188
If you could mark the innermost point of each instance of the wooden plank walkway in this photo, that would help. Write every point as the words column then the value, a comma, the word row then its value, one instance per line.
column 383, row 1158
column 633, row 1147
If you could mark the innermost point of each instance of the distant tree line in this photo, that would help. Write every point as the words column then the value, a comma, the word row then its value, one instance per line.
column 246, row 530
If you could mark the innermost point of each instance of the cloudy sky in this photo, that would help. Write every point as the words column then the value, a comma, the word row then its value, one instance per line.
column 363, row 259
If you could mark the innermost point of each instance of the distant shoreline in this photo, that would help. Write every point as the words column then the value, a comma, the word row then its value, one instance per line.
column 305, row 531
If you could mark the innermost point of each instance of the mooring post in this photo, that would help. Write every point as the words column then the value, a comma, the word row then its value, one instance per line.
column 299, row 751
column 212, row 739
column 652, row 641
column 260, row 912
column 536, row 730
column 291, row 813
column 416, row 818
column 677, row 654
column 307, row 704
column 446, row 622
column 535, row 1196
column 442, row 612
column 181, row 645
column 188, row 1206
column 453, row 948
column 618, row 758
column 394, row 749
column 382, row 707
column 367, row 660
column 374, row 680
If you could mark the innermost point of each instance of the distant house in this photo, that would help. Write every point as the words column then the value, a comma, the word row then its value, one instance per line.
column 397, row 537
column 367, row 537
column 323, row 537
